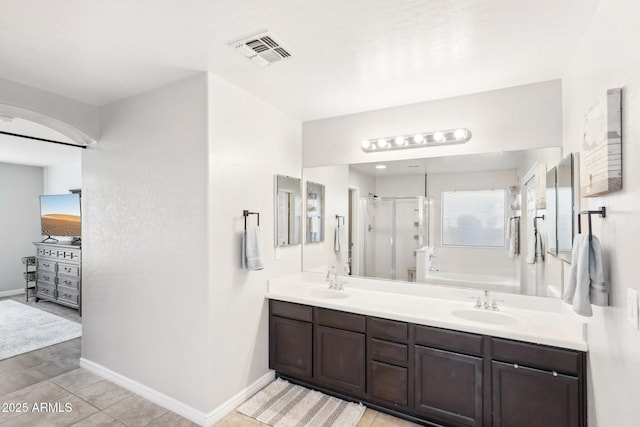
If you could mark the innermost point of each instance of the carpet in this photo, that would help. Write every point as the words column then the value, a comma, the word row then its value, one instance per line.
column 282, row 404
column 24, row 329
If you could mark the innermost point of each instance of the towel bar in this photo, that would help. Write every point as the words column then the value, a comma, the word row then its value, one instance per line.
column 602, row 212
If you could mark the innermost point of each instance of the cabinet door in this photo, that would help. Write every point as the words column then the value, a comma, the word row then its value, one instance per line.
column 389, row 384
column 448, row 387
column 340, row 360
column 291, row 347
column 526, row 397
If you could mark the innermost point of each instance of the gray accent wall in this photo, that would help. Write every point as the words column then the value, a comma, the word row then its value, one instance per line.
column 20, row 188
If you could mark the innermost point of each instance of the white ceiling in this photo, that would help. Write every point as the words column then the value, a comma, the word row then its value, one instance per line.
column 349, row 56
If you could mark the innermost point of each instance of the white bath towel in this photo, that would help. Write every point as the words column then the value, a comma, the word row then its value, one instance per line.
column 513, row 234
column 252, row 249
column 586, row 276
column 314, row 224
column 535, row 249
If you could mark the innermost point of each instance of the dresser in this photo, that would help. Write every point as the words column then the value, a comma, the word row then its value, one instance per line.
column 59, row 274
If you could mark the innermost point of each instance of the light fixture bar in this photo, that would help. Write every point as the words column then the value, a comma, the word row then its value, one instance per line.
column 422, row 139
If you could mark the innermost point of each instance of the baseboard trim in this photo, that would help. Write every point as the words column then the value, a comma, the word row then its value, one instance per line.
column 174, row 405
column 231, row 404
column 12, row 293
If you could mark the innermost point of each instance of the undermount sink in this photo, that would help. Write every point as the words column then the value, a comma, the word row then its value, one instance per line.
column 327, row 293
column 484, row 316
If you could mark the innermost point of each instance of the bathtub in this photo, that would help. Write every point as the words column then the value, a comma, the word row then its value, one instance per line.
column 472, row 280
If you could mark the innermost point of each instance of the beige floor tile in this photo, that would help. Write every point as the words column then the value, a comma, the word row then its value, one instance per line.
column 172, row 420
column 385, row 420
column 44, row 391
column 235, row 419
column 56, row 416
column 135, row 411
column 103, row 394
column 367, row 418
column 76, row 380
column 99, row 419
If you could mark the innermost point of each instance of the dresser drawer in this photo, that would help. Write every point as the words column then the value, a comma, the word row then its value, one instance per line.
column 341, row 320
column 445, row 339
column 46, row 265
column 68, row 269
column 390, row 330
column 386, row 351
column 291, row 310
column 45, row 290
column 536, row 356
column 69, row 282
column 47, row 276
column 69, row 295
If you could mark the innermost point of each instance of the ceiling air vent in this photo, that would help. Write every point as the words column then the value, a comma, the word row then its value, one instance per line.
column 263, row 48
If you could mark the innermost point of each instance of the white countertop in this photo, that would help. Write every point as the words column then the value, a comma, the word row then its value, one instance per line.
column 536, row 320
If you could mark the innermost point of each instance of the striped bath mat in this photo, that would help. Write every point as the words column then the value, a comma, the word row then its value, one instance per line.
column 282, row 404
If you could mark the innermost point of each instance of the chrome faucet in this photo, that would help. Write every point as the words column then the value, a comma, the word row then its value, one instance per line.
column 332, row 278
column 483, row 302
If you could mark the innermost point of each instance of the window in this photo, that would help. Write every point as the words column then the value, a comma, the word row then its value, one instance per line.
column 473, row 218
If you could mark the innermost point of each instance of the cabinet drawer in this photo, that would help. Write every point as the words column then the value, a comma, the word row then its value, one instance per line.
column 389, row 330
column 45, row 290
column 47, row 276
column 389, row 383
column 69, row 295
column 68, row 269
column 341, row 320
column 388, row 351
column 45, row 265
column 445, row 339
column 537, row 356
column 291, row 310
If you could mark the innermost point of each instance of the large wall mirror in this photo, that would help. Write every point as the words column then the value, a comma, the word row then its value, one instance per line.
column 288, row 210
column 394, row 219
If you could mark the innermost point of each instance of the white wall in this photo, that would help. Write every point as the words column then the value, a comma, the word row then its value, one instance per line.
column 145, row 241
column 249, row 142
column 61, row 178
column 336, row 193
column 608, row 59
column 493, row 261
column 400, row 186
column 20, row 188
column 364, row 183
column 515, row 118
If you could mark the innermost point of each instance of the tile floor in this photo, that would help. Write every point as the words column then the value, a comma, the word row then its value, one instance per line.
column 52, row 376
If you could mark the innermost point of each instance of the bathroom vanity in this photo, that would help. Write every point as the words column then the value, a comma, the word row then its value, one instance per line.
column 427, row 356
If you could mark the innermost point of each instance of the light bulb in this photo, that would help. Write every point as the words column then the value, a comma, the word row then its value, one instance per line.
column 365, row 144
column 460, row 134
column 400, row 140
column 382, row 143
column 381, row 166
column 418, row 138
column 438, row 136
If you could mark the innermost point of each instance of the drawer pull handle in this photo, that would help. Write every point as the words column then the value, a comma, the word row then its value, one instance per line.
column 554, row 373
column 515, row 365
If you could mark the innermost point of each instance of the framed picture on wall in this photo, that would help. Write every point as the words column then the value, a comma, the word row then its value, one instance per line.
column 601, row 150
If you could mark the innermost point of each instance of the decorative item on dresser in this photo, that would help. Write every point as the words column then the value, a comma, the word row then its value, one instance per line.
column 59, row 274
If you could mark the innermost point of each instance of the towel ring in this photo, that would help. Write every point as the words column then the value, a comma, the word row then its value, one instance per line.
column 602, row 212
column 246, row 213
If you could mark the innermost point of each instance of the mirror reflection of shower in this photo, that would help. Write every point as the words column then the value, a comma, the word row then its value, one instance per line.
column 393, row 229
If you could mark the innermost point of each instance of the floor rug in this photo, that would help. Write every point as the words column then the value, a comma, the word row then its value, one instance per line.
column 282, row 404
column 24, row 329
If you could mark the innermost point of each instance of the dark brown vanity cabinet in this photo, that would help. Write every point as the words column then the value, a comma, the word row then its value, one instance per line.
column 537, row 386
column 339, row 354
column 440, row 376
column 449, row 376
column 291, row 339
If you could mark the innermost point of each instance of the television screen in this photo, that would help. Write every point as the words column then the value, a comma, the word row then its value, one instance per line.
column 60, row 215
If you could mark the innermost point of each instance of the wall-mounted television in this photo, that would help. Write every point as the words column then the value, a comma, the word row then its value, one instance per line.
column 60, row 215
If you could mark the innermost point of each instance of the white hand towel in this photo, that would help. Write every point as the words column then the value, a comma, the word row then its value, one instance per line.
column 513, row 234
column 531, row 243
column 252, row 249
column 586, row 276
column 336, row 238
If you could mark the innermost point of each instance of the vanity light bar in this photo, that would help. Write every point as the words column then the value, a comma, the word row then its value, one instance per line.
column 422, row 139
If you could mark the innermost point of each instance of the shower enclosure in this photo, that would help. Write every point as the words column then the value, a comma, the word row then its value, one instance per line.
column 393, row 229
